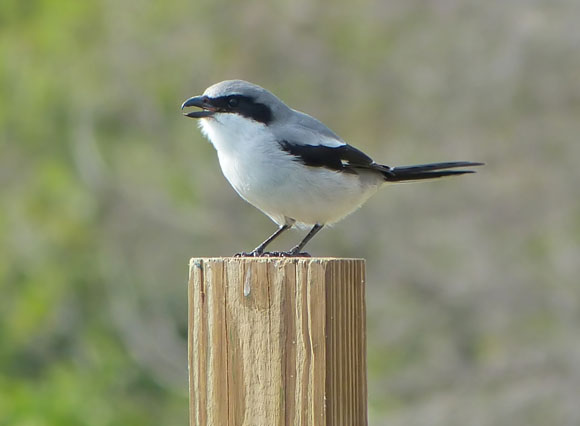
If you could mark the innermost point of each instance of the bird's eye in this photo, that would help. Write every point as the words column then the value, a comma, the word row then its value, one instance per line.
column 233, row 102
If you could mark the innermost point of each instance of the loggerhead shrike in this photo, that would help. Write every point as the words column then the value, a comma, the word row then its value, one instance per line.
column 290, row 165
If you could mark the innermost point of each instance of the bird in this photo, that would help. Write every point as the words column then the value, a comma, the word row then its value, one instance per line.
column 290, row 165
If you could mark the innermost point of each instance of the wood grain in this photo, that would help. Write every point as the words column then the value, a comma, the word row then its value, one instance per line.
column 277, row 341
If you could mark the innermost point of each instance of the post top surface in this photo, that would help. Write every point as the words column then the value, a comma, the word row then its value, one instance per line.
column 287, row 259
column 275, row 260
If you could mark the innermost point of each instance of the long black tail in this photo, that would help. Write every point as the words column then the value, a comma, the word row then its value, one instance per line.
column 427, row 171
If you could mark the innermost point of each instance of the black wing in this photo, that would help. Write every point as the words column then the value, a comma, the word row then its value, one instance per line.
column 344, row 158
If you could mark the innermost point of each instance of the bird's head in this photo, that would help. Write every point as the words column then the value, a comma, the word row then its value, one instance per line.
column 235, row 97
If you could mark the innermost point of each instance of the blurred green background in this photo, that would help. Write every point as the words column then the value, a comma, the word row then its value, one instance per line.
column 107, row 191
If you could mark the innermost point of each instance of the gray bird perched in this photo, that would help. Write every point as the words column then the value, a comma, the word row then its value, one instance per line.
column 290, row 165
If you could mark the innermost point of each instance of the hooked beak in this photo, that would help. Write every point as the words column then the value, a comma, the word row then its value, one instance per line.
column 207, row 110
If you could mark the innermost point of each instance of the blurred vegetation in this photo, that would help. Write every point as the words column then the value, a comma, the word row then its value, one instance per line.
column 106, row 191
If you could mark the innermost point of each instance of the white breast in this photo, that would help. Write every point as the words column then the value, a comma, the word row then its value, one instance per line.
column 271, row 180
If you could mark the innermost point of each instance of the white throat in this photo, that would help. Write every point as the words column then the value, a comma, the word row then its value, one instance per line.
column 232, row 134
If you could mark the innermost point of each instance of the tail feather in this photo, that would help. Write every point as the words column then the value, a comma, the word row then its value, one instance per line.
column 426, row 171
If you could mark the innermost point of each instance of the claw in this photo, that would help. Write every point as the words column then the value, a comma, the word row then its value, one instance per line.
column 298, row 254
column 272, row 254
column 250, row 254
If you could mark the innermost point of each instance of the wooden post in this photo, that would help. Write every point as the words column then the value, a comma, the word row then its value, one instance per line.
column 277, row 341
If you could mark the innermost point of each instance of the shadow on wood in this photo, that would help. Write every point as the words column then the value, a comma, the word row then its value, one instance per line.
column 277, row 341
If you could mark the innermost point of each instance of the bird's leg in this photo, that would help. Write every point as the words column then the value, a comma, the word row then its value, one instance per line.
column 295, row 251
column 259, row 251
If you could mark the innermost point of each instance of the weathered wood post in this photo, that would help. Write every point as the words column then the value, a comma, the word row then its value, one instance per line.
column 277, row 341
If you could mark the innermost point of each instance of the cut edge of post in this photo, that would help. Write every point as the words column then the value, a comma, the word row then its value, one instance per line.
column 195, row 259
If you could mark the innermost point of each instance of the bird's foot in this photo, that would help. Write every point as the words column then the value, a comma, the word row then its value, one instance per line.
column 285, row 254
column 250, row 254
column 272, row 254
